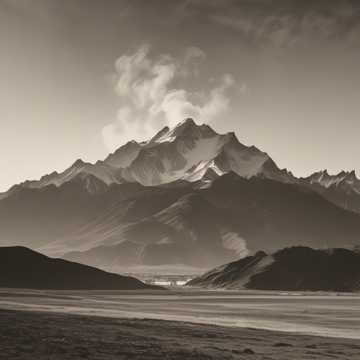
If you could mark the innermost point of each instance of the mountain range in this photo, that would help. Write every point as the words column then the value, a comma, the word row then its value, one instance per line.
column 186, row 198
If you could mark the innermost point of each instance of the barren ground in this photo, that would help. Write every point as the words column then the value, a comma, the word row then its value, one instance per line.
column 40, row 335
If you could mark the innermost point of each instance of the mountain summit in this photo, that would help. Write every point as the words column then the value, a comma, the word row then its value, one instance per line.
column 188, row 151
column 185, row 152
column 185, row 129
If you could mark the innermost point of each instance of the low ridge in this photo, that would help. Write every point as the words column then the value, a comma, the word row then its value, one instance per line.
column 289, row 269
column 21, row 267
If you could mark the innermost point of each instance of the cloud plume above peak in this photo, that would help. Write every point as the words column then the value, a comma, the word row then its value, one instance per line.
column 153, row 92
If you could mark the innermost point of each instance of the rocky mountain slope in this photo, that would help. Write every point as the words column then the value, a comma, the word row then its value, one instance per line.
column 205, row 227
column 342, row 189
column 185, row 152
column 186, row 197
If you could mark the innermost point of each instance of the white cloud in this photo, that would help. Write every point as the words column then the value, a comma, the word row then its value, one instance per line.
column 150, row 99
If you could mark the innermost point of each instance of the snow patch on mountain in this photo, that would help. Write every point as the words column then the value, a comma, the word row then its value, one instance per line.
column 124, row 155
column 201, row 170
column 233, row 241
column 100, row 170
column 187, row 151
column 344, row 179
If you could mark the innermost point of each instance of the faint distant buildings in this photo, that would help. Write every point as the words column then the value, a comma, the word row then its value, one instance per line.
column 168, row 281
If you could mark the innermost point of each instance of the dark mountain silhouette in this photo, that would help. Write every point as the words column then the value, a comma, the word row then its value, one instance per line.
column 290, row 269
column 272, row 215
column 184, row 229
column 21, row 267
column 209, row 226
column 35, row 217
column 343, row 189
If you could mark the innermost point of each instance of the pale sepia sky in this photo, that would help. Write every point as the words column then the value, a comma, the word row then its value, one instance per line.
column 80, row 77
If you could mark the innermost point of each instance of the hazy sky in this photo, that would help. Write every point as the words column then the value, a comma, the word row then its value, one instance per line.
column 79, row 77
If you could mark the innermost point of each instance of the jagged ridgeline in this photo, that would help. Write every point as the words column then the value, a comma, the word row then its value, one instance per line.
column 188, row 198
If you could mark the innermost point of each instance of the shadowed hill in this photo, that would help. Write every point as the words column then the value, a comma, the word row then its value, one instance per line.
column 291, row 269
column 21, row 267
column 207, row 227
column 272, row 215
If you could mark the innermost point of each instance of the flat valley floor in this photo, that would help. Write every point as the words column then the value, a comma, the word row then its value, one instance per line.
column 39, row 325
column 38, row 336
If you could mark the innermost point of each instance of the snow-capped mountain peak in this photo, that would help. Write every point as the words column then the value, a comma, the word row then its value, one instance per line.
column 185, row 129
column 159, row 136
column 324, row 179
column 187, row 151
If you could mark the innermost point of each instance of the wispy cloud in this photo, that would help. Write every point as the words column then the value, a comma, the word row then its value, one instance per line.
column 297, row 24
column 150, row 98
